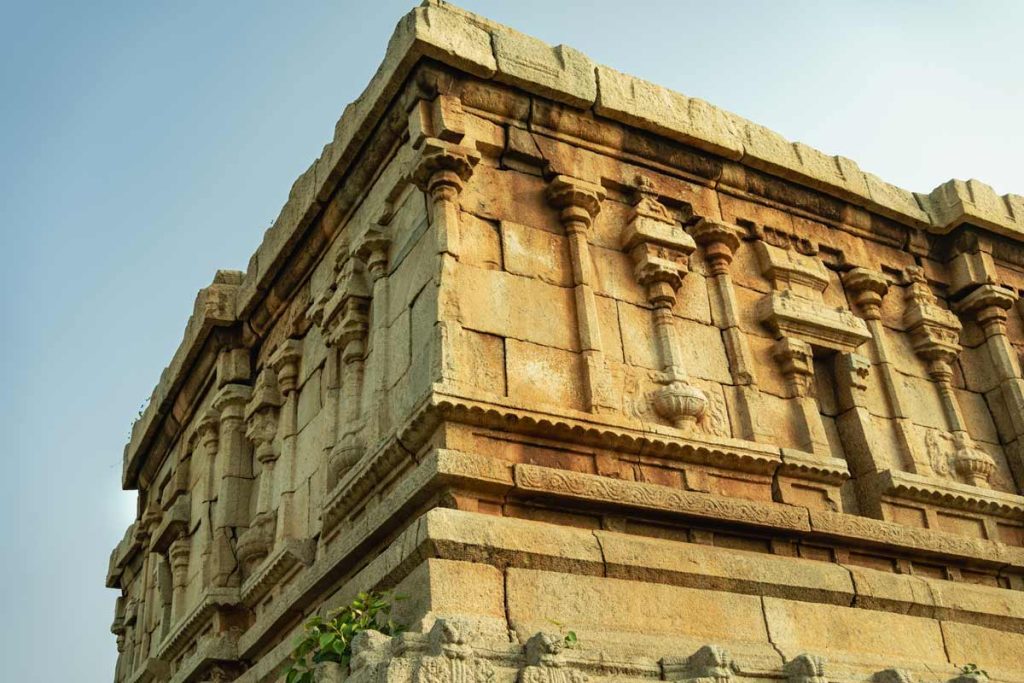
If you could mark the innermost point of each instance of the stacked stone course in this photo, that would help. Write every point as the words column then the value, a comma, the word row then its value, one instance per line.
column 542, row 346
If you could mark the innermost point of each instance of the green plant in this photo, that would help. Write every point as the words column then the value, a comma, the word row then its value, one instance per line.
column 571, row 641
column 330, row 639
column 569, row 638
column 969, row 669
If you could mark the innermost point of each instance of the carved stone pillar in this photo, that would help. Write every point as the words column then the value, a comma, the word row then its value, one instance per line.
column 579, row 203
column 935, row 334
column 343, row 314
column 372, row 249
column 233, row 475
column 720, row 242
column 178, row 554
column 285, row 362
column 660, row 250
column 441, row 171
column 988, row 305
column 208, row 433
column 866, row 289
column 261, row 414
column 796, row 359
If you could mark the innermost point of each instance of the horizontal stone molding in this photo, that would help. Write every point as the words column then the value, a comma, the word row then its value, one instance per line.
column 213, row 599
column 948, row 494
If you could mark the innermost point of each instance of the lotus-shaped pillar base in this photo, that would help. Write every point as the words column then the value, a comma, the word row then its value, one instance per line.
column 974, row 465
column 680, row 403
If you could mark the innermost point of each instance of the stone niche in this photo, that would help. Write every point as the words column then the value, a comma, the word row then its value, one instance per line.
column 546, row 348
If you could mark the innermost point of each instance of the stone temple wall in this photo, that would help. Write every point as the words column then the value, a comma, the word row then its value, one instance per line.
column 541, row 346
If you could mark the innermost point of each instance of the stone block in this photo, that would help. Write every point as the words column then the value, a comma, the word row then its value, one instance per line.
column 544, row 375
column 399, row 347
column 849, row 634
column 629, row 615
column 446, row 589
column 480, row 242
column 479, row 361
column 637, row 328
column 560, row 73
column 309, row 403
column 990, row 649
column 506, row 195
column 505, row 305
column 233, row 507
column 616, row 278
column 694, row 122
column 534, row 253
column 418, row 268
column 504, row 542
column 718, row 569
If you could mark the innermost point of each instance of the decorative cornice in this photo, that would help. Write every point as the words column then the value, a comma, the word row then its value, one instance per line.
column 811, row 467
column 654, row 442
column 290, row 553
column 946, row 493
column 211, row 600
column 591, row 487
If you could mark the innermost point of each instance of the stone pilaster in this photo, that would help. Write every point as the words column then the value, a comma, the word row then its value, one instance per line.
column 343, row 314
column 233, row 481
column 178, row 554
column 866, row 289
column 796, row 360
column 262, row 416
column 935, row 335
column 285, row 361
column 660, row 250
column 441, row 171
column 988, row 304
column 720, row 241
column 579, row 202
column 372, row 249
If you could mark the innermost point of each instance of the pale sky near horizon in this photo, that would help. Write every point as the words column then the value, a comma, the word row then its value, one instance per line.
column 146, row 144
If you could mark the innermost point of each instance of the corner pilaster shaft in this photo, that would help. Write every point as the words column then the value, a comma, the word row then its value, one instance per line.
column 441, row 171
column 578, row 203
column 988, row 304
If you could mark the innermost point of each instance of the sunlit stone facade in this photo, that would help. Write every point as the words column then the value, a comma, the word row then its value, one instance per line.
column 542, row 346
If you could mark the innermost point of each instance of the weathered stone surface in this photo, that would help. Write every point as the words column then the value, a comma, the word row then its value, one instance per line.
column 550, row 349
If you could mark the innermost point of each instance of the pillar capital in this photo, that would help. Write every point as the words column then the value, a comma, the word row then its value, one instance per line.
column 285, row 361
column 578, row 200
column 261, row 415
column 371, row 248
column 796, row 359
column 866, row 288
column 229, row 401
column 342, row 312
column 720, row 241
column 442, row 168
column 988, row 305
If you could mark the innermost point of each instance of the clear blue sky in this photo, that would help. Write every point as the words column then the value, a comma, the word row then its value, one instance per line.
column 143, row 145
